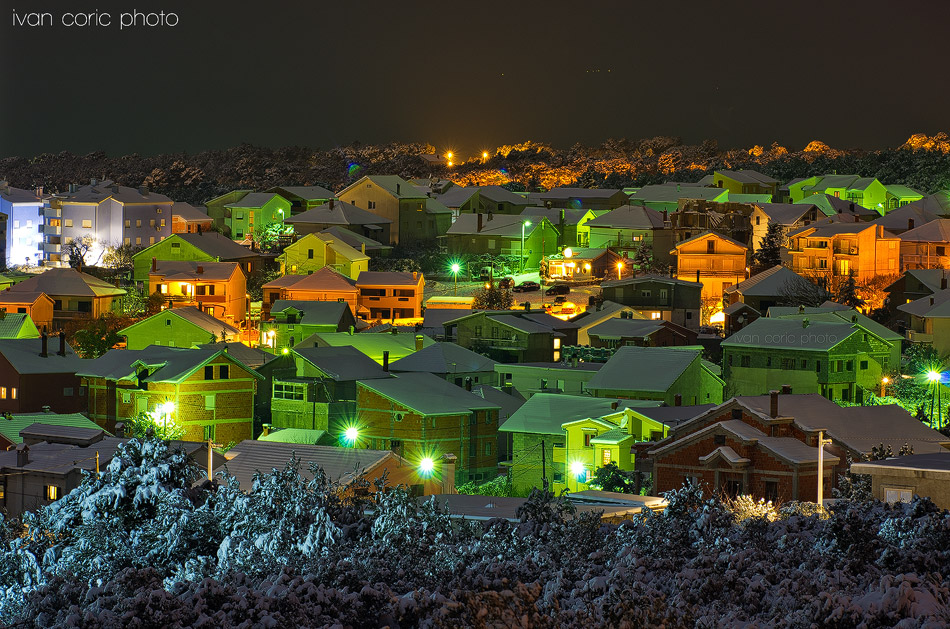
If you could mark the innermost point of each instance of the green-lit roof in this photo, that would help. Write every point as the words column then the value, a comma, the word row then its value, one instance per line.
column 11, row 425
column 544, row 413
column 298, row 435
column 17, row 325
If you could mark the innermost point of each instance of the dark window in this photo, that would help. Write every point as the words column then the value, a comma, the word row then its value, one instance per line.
column 817, row 365
column 737, row 413
column 846, row 395
column 849, row 366
column 941, row 251
column 209, row 372
column 730, row 360
column 200, row 290
column 747, row 361
column 733, row 488
column 587, row 438
column 478, row 331
column 310, row 254
column 710, row 246
column 168, row 321
column 719, row 440
column 864, row 364
column 223, row 372
column 209, row 433
column 771, row 490
column 804, row 364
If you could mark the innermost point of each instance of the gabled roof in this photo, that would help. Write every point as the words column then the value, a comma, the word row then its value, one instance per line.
column 428, row 394
column 17, row 325
column 217, row 245
column 193, row 316
column 309, row 193
column 354, row 240
column 643, row 368
column 672, row 194
column 337, row 213
column 187, row 270
column 937, row 230
column 11, row 425
column 572, row 216
column 343, row 364
column 373, row 345
column 902, row 191
column 931, row 278
column 544, row 413
column 501, row 195
column 784, row 213
column 305, row 436
column 835, row 315
column 24, row 356
column 499, row 225
column 67, row 282
column 388, row 278
column 897, row 220
column 747, row 176
column 254, row 200
column 708, row 234
column 456, row 196
column 313, row 312
column 831, row 229
column 640, row 279
column 250, row 356
column 830, row 205
column 325, row 279
column 166, row 364
column 616, row 328
column 938, row 203
column 936, row 306
column 391, row 183
column 22, row 297
column 738, row 307
column 768, row 283
column 674, row 415
column 444, row 358
column 629, row 217
column 109, row 190
column 188, row 212
column 791, row 334
column 523, row 325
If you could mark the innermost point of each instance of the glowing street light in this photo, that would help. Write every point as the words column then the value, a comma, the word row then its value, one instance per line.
column 523, row 225
column 578, row 469
column 456, row 267
column 351, row 434
column 619, row 269
column 933, row 376
column 449, row 155
column 426, row 467
column 884, row 382
column 484, row 154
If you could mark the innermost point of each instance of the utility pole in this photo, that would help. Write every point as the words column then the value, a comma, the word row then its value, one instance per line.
column 210, row 455
column 822, row 442
column 544, row 476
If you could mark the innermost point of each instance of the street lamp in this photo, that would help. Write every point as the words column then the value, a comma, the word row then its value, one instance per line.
column 426, row 467
column 933, row 377
column 523, row 225
column 619, row 269
column 351, row 434
column 884, row 382
column 456, row 267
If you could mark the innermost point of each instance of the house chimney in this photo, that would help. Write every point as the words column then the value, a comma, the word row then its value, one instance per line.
column 397, row 188
column 786, row 389
column 143, row 190
column 415, row 275
column 115, row 188
column 93, row 182
column 200, row 270
column 508, row 388
column 468, row 383
column 385, row 360
column 678, row 399
column 62, row 343
column 331, row 204
column 479, row 227
column 72, row 188
column 120, row 430
column 910, row 223
column 22, row 455
column 931, row 301
column 697, row 276
column 363, row 248
column 39, row 191
column 801, row 309
column 448, row 473
column 46, row 409
column 614, row 405
column 943, row 283
column 419, row 339
column 154, row 264
column 773, row 403
column 45, row 346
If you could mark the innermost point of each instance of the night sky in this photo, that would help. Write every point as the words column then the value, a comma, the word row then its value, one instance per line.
column 473, row 75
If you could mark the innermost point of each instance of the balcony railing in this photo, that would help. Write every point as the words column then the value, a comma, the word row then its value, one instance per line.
column 51, row 248
column 919, row 337
column 517, row 343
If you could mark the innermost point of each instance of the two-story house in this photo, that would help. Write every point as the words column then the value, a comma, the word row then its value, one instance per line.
column 420, row 415
column 345, row 216
column 630, row 227
column 38, row 306
column 451, row 362
column 838, row 249
column 216, row 206
column 840, row 360
column 928, row 320
column 390, row 294
column 208, row 392
column 186, row 326
column 218, row 288
column 315, row 251
column 714, row 260
column 188, row 219
column 570, row 223
column 511, row 336
column 589, row 198
column 658, row 297
column 254, row 212
column 294, row 320
column 927, row 246
column 618, row 332
column 526, row 238
column 303, row 198
column 74, row 294
column 745, row 182
column 673, row 375
column 414, row 215
column 763, row 290
column 325, row 284
column 38, row 373
column 201, row 246
column 790, row 217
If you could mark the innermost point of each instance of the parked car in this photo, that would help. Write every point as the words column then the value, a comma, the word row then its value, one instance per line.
column 506, row 282
column 526, row 287
column 558, row 289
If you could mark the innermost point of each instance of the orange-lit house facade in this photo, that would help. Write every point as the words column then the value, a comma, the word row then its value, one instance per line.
column 218, row 288
column 712, row 259
column 390, row 295
column 837, row 249
column 322, row 285
column 38, row 305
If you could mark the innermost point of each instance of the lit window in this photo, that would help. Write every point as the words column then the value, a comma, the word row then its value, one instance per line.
column 68, row 222
column 128, row 223
column 606, row 458
column 557, row 343
column 52, row 492
column 138, row 240
column 13, row 393
column 138, row 222
column 163, row 289
column 654, row 315
column 87, row 224
column 128, row 241
column 3, row 393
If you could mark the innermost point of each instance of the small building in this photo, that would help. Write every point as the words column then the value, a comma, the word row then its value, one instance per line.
column 39, row 373
column 837, row 249
column 421, row 415
column 929, row 321
column 528, row 379
column 599, row 313
column 315, row 251
column 390, row 294
column 901, row 478
column 503, row 235
column 324, row 284
column 764, row 290
column 37, row 306
column 363, row 244
column 208, row 391
column 630, row 227
column 303, row 198
column 342, row 215
column 580, row 265
column 254, row 212
column 513, row 336
column 623, row 331
column 451, row 362
column 188, row 219
column 674, row 376
column 790, row 217
column 294, row 320
column 202, row 246
column 927, row 246
column 178, row 327
column 74, row 294
column 29, row 428
column 658, row 297
column 745, row 182
column 738, row 315
column 588, row 198
column 570, row 223
column 380, row 347
column 216, row 206
column 714, row 260
column 217, row 288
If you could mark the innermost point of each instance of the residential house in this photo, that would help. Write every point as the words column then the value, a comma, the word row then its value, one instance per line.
column 218, row 288
column 303, row 198
column 35, row 375
column 906, row 218
column 619, row 332
column 106, row 213
column 630, row 227
column 675, row 376
column 714, row 260
column 37, row 306
column 658, row 297
column 840, row 360
column 738, row 315
column 315, row 251
column 840, row 209
column 836, row 249
column 663, row 197
column 764, row 290
column 35, row 425
column 790, row 217
column 17, row 325
column 250, row 356
column 380, row 347
column 187, row 326
column 864, row 191
column 451, row 362
column 899, row 479
column 341, row 465
column 745, row 182
column 254, row 212
column 459, row 199
column 928, row 321
column 345, row 216
column 74, row 295
column 597, row 314
column 565, row 377
column 498, row 200
column 414, row 216
column 203, row 246
column 23, row 209
column 913, row 284
column 698, row 216
column 511, row 336
column 503, row 235
column 767, row 446
column 927, row 246
column 318, row 392
column 36, row 475
column 589, row 198
column 325, row 284
column 372, row 248
column 421, row 415
column 208, row 392
column 390, row 294
column 216, row 206
column 899, row 196
column 187, row 219
column 580, row 265
column 536, row 435
column 571, row 224
column 294, row 320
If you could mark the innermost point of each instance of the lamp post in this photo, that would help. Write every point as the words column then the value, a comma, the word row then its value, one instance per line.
column 934, row 378
column 822, row 442
column 884, row 382
column 619, row 269
column 523, row 225
column 455, row 271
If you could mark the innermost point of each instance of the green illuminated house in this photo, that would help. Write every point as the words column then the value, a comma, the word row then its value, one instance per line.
column 17, row 325
column 865, row 191
column 194, row 247
column 216, row 205
column 178, row 327
column 673, row 375
column 295, row 320
column 255, row 211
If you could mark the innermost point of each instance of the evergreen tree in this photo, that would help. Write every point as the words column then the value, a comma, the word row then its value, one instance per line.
column 769, row 252
column 848, row 292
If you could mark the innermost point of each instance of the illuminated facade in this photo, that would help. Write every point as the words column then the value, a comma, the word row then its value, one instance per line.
column 24, row 240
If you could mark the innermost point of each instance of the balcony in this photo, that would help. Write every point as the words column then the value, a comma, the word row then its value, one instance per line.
column 846, row 251
column 560, row 454
column 52, row 248
column 50, row 212
column 51, row 230
column 513, row 343
column 919, row 337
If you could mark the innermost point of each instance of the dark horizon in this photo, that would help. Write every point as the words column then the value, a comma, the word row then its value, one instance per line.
column 470, row 77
